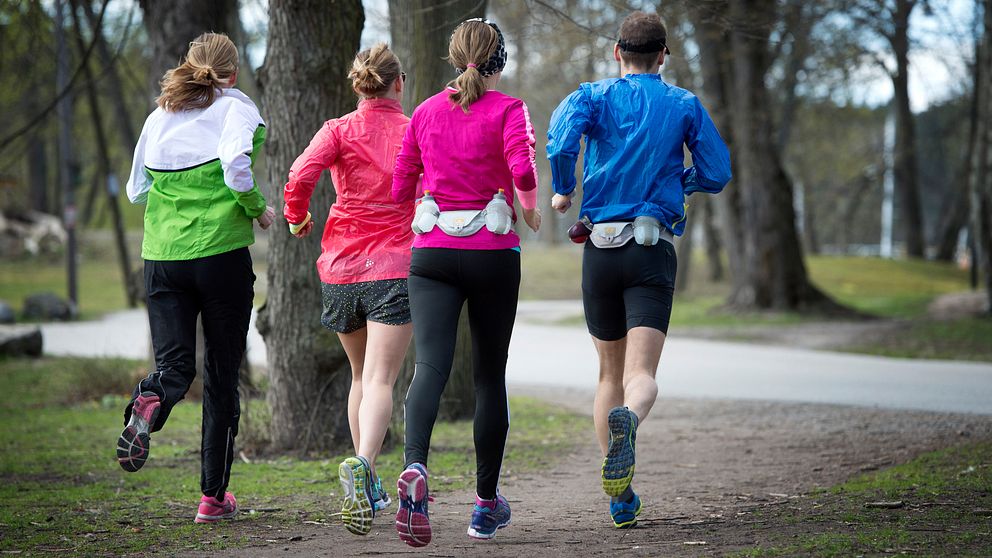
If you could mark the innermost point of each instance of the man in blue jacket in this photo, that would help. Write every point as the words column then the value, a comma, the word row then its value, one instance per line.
column 633, row 205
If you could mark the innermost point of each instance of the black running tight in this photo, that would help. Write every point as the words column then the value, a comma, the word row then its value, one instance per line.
column 441, row 281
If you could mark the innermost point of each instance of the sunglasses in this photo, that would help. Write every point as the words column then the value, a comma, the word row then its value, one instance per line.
column 403, row 76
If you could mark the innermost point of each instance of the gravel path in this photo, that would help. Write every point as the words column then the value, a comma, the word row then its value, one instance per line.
column 703, row 467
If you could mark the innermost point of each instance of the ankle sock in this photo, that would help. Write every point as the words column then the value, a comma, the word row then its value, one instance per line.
column 483, row 503
column 626, row 497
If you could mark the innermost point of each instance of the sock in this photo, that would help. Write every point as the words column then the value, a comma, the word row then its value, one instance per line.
column 485, row 503
column 626, row 497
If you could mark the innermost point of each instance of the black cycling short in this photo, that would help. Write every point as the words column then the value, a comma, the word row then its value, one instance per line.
column 627, row 287
column 347, row 307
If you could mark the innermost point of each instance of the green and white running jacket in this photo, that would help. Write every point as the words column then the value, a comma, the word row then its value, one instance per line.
column 193, row 170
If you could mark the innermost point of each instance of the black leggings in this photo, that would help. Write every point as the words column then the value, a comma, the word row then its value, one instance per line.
column 441, row 280
column 220, row 290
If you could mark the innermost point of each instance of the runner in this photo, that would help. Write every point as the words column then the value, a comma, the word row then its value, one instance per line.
column 193, row 170
column 634, row 186
column 364, row 262
column 475, row 148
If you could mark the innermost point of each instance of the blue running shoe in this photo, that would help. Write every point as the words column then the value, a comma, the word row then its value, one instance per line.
column 488, row 516
column 618, row 466
column 380, row 496
column 625, row 514
column 413, row 522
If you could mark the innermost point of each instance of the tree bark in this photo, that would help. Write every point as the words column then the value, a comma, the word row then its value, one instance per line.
column 172, row 25
column 980, row 183
column 904, row 165
column 770, row 272
column 310, row 46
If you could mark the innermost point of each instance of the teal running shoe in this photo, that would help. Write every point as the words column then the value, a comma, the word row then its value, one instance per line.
column 380, row 497
column 625, row 514
column 618, row 466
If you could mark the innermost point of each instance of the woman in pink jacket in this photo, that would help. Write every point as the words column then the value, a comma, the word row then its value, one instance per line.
column 475, row 148
column 364, row 262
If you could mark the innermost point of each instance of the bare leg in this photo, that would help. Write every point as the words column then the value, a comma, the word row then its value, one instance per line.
column 354, row 347
column 640, row 389
column 610, row 391
column 385, row 349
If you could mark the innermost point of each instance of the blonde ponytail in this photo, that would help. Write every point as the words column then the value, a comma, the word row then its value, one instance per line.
column 210, row 63
column 472, row 45
column 374, row 70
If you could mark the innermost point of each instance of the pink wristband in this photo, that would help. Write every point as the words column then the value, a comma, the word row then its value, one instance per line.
column 528, row 198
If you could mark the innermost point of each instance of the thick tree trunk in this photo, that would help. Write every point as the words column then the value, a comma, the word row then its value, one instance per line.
column 981, row 159
column 172, row 25
column 303, row 85
column 904, row 166
column 771, row 272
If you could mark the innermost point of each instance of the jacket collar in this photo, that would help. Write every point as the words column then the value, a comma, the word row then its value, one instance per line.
column 380, row 104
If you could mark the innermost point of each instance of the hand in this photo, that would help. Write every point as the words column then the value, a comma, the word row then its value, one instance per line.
column 561, row 203
column 533, row 218
column 267, row 217
column 305, row 231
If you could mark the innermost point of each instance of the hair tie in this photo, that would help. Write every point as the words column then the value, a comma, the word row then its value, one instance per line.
column 471, row 65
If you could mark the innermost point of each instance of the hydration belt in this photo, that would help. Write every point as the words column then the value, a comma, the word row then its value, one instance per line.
column 644, row 230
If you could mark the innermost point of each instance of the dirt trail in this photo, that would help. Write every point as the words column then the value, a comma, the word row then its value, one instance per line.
column 703, row 467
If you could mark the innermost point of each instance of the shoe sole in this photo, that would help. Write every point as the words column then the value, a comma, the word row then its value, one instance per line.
column 486, row 536
column 618, row 466
column 203, row 518
column 356, row 511
column 632, row 522
column 134, row 445
column 414, row 528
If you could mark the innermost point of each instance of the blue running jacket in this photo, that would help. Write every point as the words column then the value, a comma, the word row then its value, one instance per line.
column 635, row 127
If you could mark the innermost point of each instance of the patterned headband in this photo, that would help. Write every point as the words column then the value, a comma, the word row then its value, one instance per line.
column 497, row 61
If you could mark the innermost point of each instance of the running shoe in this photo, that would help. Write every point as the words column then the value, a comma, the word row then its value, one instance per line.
column 380, row 497
column 618, row 466
column 488, row 516
column 134, row 442
column 357, row 510
column 412, row 520
column 625, row 514
column 212, row 510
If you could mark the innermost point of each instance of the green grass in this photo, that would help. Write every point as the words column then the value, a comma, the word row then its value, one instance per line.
column 888, row 288
column 101, row 288
column 947, row 496
column 962, row 339
column 61, row 487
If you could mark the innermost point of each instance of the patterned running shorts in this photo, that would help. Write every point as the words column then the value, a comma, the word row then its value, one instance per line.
column 348, row 307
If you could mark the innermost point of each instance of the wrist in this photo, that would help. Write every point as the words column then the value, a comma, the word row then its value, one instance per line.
column 295, row 228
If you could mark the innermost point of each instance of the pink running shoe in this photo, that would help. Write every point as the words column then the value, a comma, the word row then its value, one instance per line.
column 412, row 521
column 134, row 443
column 213, row 510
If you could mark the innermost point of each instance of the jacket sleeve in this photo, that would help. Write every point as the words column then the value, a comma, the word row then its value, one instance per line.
column 306, row 170
column 518, row 150
column 242, row 125
column 568, row 122
column 408, row 167
column 710, row 170
column 140, row 181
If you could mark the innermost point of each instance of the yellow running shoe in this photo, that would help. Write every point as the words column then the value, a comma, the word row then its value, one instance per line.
column 357, row 509
column 618, row 466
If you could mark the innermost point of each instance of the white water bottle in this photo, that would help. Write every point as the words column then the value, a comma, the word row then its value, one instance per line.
column 499, row 216
column 646, row 230
column 426, row 214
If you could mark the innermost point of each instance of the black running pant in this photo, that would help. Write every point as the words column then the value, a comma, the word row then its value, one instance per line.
column 219, row 289
column 441, row 281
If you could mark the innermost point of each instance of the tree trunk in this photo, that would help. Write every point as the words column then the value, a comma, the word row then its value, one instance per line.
column 172, row 25
column 904, row 165
column 771, row 273
column 114, row 88
column 420, row 32
column 303, row 85
column 711, row 233
column 981, row 159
